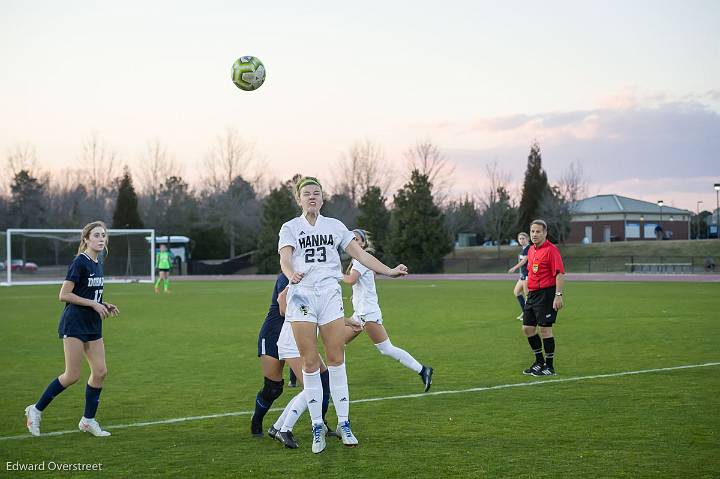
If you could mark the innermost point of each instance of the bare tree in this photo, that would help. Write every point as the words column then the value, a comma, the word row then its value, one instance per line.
column 99, row 163
column 427, row 158
column 573, row 184
column 22, row 157
column 230, row 157
column 362, row 168
column 155, row 166
column 500, row 214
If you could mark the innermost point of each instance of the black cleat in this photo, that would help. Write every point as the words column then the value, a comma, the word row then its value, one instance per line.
column 426, row 375
column 273, row 433
column 287, row 438
column 545, row 371
column 330, row 432
column 256, row 428
column 535, row 368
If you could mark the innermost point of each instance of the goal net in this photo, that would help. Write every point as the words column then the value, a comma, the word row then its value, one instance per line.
column 42, row 256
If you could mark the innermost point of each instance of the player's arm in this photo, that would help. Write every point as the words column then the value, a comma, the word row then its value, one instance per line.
column 559, row 285
column 520, row 264
column 66, row 295
column 369, row 261
column 286, row 265
column 351, row 278
column 282, row 301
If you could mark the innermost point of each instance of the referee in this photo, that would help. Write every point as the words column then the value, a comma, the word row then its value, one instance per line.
column 545, row 298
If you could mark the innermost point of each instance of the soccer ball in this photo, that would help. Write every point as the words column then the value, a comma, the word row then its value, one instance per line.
column 248, row 73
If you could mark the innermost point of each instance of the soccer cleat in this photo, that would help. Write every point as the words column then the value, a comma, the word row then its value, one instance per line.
column 536, row 367
column 426, row 374
column 329, row 432
column 545, row 371
column 92, row 426
column 318, row 440
column 287, row 438
column 520, row 317
column 33, row 419
column 256, row 428
column 348, row 438
column 273, row 433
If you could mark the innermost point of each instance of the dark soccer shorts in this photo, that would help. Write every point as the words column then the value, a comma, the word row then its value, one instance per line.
column 82, row 337
column 539, row 308
column 268, row 338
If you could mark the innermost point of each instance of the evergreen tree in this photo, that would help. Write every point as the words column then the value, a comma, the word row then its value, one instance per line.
column 340, row 206
column 126, row 208
column 534, row 188
column 499, row 217
column 375, row 218
column 27, row 201
column 462, row 216
column 279, row 206
column 419, row 238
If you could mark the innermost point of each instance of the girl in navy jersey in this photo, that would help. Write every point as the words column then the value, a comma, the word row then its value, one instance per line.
column 366, row 310
column 81, row 330
column 308, row 247
column 521, row 288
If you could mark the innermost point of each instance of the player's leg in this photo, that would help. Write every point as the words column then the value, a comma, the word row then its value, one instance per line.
column 548, row 342
column 519, row 293
column 166, row 280
column 529, row 328
column 305, row 334
column 95, row 354
column 377, row 334
column 73, row 349
column 272, row 369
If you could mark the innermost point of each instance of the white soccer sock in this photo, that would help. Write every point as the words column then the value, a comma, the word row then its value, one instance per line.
column 339, row 391
column 281, row 420
column 386, row 348
column 293, row 411
column 313, row 395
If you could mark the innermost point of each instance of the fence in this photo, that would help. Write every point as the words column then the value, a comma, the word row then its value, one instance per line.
column 596, row 264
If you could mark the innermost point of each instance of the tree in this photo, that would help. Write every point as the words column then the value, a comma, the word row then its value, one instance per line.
column 428, row 160
column 462, row 216
column 231, row 157
column 154, row 168
column 27, row 201
column 375, row 218
column 279, row 206
column 534, row 188
column 555, row 210
column 99, row 164
column 500, row 216
column 126, row 207
column 699, row 224
column 418, row 234
column 364, row 166
column 177, row 207
column 341, row 207
column 573, row 184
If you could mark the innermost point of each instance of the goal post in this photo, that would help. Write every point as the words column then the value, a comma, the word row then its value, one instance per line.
column 41, row 256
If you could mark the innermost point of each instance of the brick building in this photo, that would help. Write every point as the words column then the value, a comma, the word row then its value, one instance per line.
column 618, row 218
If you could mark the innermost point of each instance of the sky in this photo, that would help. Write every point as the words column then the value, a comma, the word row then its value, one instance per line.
column 630, row 91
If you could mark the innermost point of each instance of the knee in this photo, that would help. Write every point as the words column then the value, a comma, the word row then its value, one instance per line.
column 69, row 378
column 100, row 373
column 272, row 389
column 529, row 331
column 546, row 333
column 385, row 347
column 335, row 357
column 310, row 365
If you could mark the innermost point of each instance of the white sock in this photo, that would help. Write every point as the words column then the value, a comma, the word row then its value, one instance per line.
column 313, row 395
column 293, row 411
column 386, row 348
column 339, row 391
column 281, row 420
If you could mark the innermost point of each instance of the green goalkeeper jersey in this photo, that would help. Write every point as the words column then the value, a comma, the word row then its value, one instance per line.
column 164, row 260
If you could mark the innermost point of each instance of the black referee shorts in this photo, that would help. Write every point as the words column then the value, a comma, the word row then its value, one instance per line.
column 539, row 308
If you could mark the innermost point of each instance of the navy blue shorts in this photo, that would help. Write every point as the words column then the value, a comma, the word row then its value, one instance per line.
column 82, row 337
column 268, row 338
column 163, row 270
column 523, row 277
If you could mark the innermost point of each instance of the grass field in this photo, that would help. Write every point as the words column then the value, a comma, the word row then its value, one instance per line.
column 193, row 353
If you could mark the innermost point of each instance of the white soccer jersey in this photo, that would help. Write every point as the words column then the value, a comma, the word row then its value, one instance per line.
column 315, row 247
column 364, row 298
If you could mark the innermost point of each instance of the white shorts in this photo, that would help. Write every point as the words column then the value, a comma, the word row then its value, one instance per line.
column 287, row 347
column 374, row 317
column 319, row 305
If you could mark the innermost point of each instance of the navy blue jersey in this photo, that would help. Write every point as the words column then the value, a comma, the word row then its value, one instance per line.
column 524, row 268
column 87, row 275
column 271, row 327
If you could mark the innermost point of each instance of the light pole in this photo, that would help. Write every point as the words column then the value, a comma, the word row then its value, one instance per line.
column 697, row 221
column 660, row 203
column 717, row 208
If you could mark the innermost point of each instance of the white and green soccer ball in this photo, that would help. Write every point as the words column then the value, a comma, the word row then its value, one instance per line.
column 248, row 73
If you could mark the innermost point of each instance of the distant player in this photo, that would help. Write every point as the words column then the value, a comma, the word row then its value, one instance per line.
column 308, row 247
column 80, row 329
column 546, row 279
column 163, row 263
column 366, row 310
column 521, row 290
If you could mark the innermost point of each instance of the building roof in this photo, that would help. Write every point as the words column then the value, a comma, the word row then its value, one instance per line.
column 621, row 204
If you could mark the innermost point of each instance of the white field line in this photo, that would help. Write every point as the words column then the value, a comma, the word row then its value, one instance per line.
column 388, row 398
